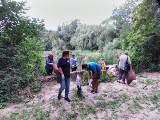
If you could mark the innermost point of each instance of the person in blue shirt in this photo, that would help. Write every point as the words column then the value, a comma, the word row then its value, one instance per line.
column 73, row 62
column 64, row 70
column 94, row 70
column 49, row 64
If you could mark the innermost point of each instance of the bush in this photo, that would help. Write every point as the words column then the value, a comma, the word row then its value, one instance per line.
column 106, row 78
column 36, row 86
column 109, row 56
column 20, row 50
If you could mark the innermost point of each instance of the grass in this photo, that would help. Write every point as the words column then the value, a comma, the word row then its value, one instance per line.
column 53, row 102
column 101, row 105
column 149, row 82
column 117, row 101
column 87, row 109
column 16, row 116
column 39, row 114
column 71, row 116
column 135, row 106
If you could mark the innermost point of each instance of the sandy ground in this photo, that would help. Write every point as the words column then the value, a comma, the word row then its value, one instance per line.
column 145, row 85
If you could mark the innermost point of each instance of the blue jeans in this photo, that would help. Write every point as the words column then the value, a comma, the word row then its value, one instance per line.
column 65, row 84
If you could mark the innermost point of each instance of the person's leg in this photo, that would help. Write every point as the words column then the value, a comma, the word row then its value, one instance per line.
column 62, row 87
column 78, row 91
column 47, row 71
column 96, row 86
column 96, row 82
column 50, row 71
column 124, row 74
column 93, row 85
column 75, row 68
column 67, row 83
column 120, row 74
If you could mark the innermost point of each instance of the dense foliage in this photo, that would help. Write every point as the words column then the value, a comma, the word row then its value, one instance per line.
column 19, row 49
column 144, row 40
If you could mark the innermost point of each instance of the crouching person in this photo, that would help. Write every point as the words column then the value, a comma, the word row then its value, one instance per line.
column 94, row 70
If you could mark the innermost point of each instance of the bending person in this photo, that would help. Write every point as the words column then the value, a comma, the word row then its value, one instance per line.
column 94, row 70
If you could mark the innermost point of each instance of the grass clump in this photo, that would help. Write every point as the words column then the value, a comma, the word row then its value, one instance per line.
column 117, row 101
column 135, row 106
column 71, row 116
column 101, row 105
column 85, row 110
column 16, row 116
column 149, row 82
column 39, row 114
column 36, row 86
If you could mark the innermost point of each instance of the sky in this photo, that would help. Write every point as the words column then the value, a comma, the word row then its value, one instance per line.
column 57, row 12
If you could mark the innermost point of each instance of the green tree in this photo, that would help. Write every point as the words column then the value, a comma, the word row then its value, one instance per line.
column 145, row 37
column 66, row 32
column 19, row 48
column 85, row 37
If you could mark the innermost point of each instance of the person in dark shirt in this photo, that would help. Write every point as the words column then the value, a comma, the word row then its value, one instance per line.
column 49, row 64
column 64, row 69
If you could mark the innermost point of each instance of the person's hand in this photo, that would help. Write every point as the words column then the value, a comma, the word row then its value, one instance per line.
column 90, row 82
column 62, row 76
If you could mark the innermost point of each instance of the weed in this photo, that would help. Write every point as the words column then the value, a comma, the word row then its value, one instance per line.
column 114, row 116
column 53, row 102
column 135, row 105
column 117, row 101
column 155, row 98
column 149, row 82
column 100, row 98
column 39, row 114
column 2, row 105
column 71, row 116
column 101, row 105
column 85, row 110
column 106, row 78
column 36, row 86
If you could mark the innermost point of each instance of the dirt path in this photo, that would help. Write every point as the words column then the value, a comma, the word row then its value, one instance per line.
column 139, row 101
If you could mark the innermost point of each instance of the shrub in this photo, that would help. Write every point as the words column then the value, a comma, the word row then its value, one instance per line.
column 36, row 86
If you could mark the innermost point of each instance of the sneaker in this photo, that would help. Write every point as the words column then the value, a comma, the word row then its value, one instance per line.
column 92, row 91
column 67, row 99
column 59, row 97
column 96, row 91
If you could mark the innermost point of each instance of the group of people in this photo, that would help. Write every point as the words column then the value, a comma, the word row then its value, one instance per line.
column 67, row 63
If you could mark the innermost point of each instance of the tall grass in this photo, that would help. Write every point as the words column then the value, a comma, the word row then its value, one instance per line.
column 87, row 56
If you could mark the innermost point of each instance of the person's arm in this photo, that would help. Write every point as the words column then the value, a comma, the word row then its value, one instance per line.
column 71, row 62
column 89, row 75
column 60, row 67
